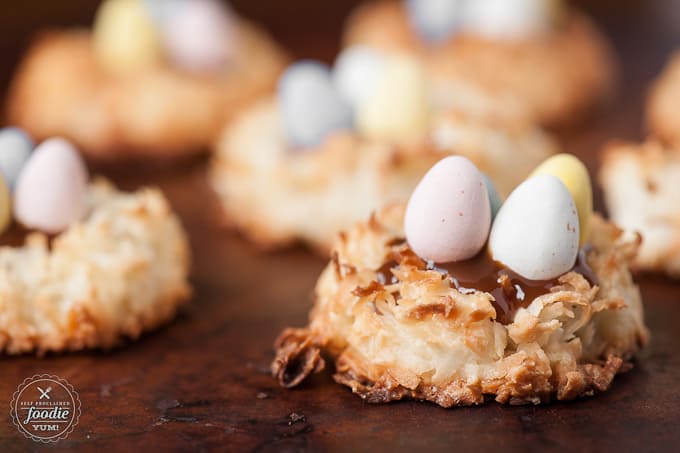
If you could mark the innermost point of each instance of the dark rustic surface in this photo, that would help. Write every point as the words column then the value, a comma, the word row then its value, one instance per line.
column 202, row 382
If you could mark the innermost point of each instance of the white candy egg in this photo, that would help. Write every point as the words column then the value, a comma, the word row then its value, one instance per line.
column 436, row 20
column 51, row 192
column 356, row 72
column 200, row 36
column 536, row 232
column 15, row 148
column 311, row 107
column 511, row 19
column 448, row 215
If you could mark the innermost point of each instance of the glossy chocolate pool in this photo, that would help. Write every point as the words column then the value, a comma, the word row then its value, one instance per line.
column 510, row 290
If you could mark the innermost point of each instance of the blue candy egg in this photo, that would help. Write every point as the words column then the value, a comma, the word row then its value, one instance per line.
column 494, row 198
column 162, row 10
column 15, row 148
column 436, row 20
column 311, row 107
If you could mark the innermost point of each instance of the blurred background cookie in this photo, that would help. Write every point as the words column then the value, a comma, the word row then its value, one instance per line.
column 336, row 144
column 663, row 103
column 152, row 78
column 641, row 184
column 545, row 55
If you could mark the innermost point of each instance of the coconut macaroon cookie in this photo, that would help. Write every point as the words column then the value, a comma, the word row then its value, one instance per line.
column 641, row 184
column 663, row 102
column 334, row 145
column 541, row 54
column 152, row 78
column 90, row 266
column 417, row 303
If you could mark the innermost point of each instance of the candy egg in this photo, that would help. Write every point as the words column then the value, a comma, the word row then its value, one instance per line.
column 15, row 148
column 5, row 205
column 573, row 174
column 398, row 109
column 501, row 19
column 536, row 230
column 162, row 10
column 200, row 36
column 311, row 108
column 436, row 20
column 355, row 73
column 448, row 215
column 125, row 37
column 494, row 198
column 51, row 192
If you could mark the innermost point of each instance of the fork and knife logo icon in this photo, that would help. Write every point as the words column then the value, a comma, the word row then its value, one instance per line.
column 44, row 393
column 45, row 408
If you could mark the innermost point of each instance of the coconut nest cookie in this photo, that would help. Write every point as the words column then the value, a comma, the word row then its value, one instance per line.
column 278, row 195
column 663, row 102
column 555, row 75
column 159, row 111
column 396, row 327
column 119, row 272
column 641, row 184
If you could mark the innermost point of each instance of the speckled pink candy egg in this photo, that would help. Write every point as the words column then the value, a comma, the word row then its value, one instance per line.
column 51, row 192
column 448, row 216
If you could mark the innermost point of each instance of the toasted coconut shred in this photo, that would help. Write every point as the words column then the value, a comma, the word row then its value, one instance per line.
column 415, row 336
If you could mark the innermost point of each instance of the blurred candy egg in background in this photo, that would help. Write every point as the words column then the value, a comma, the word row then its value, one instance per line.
column 510, row 19
column 356, row 72
column 399, row 109
column 125, row 37
column 200, row 36
column 311, row 107
column 15, row 148
column 162, row 10
column 436, row 20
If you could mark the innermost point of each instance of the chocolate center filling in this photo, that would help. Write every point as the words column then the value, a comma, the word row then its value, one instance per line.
column 510, row 290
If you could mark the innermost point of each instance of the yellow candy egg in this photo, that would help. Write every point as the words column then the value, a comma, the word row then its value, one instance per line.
column 5, row 205
column 573, row 174
column 398, row 109
column 125, row 37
